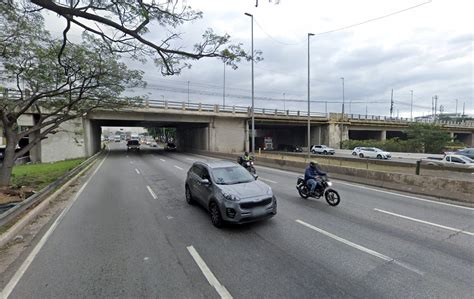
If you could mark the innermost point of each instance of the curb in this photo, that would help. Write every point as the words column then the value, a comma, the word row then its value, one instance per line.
column 20, row 224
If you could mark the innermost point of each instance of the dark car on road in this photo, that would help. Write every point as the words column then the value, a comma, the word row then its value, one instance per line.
column 289, row 148
column 133, row 145
column 229, row 192
column 170, row 146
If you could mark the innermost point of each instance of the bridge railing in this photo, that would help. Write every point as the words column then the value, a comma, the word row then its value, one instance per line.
column 6, row 94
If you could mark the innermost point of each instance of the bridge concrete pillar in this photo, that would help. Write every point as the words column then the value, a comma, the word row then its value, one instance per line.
column 383, row 135
column 334, row 135
column 91, row 137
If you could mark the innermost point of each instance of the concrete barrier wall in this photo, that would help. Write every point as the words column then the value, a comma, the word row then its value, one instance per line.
column 418, row 184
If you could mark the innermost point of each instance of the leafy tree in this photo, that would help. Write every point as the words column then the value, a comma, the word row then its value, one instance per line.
column 430, row 137
column 53, row 80
column 124, row 26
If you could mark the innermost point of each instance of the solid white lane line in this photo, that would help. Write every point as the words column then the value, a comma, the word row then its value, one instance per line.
column 163, row 160
column 178, row 167
column 151, row 192
column 408, row 196
column 21, row 271
column 361, row 248
column 137, row 171
column 374, row 189
column 221, row 290
column 267, row 180
column 190, row 159
column 426, row 222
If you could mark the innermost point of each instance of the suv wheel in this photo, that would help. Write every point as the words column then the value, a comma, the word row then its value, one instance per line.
column 379, row 156
column 325, row 152
column 189, row 196
column 361, row 155
column 215, row 214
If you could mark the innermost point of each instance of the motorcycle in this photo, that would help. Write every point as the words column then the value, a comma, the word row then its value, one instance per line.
column 323, row 188
column 248, row 165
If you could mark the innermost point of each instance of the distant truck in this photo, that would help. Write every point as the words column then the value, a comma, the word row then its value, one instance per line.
column 450, row 161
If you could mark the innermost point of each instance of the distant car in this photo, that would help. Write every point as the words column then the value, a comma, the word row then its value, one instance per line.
column 153, row 144
column 322, row 149
column 289, row 148
column 229, row 192
column 468, row 152
column 373, row 152
column 117, row 138
column 133, row 145
column 170, row 146
column 356, row 150
column 450, row 161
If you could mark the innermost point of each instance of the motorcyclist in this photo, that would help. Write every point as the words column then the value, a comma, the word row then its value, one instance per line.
column 312, row 175
column 245, row 158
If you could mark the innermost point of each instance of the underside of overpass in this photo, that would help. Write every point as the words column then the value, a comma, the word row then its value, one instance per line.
column 193, row 132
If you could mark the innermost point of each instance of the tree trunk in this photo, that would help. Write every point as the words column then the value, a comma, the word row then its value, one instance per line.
column 8, row 159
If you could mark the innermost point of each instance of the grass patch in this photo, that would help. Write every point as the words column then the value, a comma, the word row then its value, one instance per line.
column 38, row 176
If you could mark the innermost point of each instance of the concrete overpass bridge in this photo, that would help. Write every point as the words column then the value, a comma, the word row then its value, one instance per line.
column 227, row 129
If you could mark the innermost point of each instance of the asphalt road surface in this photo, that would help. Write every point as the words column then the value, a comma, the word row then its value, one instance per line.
column 130, row 233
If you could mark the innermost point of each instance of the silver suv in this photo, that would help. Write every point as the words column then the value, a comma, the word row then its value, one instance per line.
column 229, row 192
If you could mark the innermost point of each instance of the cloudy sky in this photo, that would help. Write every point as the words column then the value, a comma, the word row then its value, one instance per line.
column 427, row 49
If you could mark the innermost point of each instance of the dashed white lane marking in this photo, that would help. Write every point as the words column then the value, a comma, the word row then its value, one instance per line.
column 211, row 278
column 178, row 167
column 131, row 162
column 169, row 217
column 19, row 273
column 426, row 222
column 162, row 160
column 267, row 180
column 408, row 196
column 190, row 159
column 151, row 192
column 137, row 171
column 373, row 189
column 146, row 258
column 361, row 248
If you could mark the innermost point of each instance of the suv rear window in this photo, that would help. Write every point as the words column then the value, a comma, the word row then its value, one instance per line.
column 133, row 142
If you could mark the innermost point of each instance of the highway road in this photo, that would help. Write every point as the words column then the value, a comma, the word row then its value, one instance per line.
column 130, row 233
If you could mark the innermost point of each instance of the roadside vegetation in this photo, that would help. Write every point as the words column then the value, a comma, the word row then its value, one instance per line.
column 30, row 178
column 421, row 138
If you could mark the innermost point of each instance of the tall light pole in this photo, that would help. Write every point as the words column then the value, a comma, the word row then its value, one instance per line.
column 284, row 106
column 411, row 106
column 188, row 93
column 223, row 91
column 253, row 116
column 342, row 115
column 309, row 105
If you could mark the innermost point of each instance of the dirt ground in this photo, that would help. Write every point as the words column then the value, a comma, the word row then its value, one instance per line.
column 11, row 195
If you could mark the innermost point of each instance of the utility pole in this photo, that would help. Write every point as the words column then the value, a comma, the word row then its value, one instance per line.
column 435, row 106
column 342, row 115
column 391, row 105
column 463, row 109
column 456, row 107
column 411, row 106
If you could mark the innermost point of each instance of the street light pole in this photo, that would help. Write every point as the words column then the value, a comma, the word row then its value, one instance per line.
column 253, row 100
column 309, row 105
column 411, row 106
column 188, row 93
column 342, row 114
column 223, row 92
column 284, row 106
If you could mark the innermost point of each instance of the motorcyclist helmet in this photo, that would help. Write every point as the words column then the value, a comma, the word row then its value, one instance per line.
column 246, row 153
column 313, row 163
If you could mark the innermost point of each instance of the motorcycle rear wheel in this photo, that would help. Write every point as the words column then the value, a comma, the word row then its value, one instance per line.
column 332, row 197
column 303, row 191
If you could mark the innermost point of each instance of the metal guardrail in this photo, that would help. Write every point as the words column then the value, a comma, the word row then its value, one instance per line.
column 15, row 210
